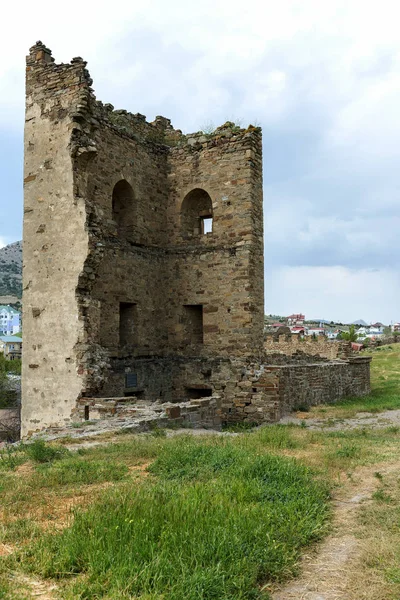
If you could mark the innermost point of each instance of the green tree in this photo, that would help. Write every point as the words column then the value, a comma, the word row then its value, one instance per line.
column 349, row 336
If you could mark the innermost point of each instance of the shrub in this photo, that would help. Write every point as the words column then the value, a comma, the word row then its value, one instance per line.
column 41, row 452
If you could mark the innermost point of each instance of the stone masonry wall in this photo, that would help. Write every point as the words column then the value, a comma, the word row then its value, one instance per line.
column 321, row 346
column 117, row 265
column 222, row 270
column 293, row 386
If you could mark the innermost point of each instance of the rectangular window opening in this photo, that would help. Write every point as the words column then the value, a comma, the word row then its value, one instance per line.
column 206, row 225
column 127, row 324
column 194, row 323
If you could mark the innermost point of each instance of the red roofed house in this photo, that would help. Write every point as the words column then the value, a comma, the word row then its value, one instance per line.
column 295, row 320
column 297, row 329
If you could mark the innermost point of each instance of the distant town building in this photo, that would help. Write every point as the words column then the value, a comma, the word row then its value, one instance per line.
column 10, row 320
column 332, row 335
column 11, row 346
column 372, row 332
column 395, row 327
column 315, row 331
column 297, row 330
column 295, row 320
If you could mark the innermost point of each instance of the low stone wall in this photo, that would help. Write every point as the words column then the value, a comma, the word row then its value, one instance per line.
column 310, row 385
column 279, row 389
column 321, row 346
column 202, row 412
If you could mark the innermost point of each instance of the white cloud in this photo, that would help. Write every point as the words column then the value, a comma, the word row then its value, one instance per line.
column 334, row 293
column 322, row 78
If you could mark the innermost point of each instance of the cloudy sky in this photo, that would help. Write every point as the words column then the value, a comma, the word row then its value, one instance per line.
column 321, row 78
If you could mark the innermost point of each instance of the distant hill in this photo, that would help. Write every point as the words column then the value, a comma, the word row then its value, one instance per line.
column 11, row 270
column 318, row 321
column 359, row 322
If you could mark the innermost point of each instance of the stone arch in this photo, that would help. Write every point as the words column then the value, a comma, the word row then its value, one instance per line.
column 123, row 208
column 196, row 213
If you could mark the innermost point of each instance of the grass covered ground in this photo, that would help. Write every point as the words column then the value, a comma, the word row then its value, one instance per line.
column 209, row 518
column 153, row 517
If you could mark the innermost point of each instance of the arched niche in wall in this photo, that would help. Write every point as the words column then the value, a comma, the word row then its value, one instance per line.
column 123, row 209
column 196, row 213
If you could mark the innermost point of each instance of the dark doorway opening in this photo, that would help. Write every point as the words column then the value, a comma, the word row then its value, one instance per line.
column 127, row 324
column 194, row 323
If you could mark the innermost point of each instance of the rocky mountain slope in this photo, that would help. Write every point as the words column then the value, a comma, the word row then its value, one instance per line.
column 11, row 270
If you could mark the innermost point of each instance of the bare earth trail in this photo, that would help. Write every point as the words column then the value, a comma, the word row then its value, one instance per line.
column 362, row 419
column 37, row 588
column 329, row 571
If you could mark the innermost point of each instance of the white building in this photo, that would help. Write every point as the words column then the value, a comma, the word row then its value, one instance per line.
column 315, row 331
column 371, row 332
column 10, row 320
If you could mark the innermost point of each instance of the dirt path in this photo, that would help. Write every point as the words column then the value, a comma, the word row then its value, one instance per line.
column 362, row 419
column 37, row 588
column 327, row 572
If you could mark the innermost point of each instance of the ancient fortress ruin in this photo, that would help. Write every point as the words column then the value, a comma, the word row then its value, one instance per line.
column 143, row 268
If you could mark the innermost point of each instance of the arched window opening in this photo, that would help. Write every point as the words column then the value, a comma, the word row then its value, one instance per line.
column 123, row 208
column 196, row 213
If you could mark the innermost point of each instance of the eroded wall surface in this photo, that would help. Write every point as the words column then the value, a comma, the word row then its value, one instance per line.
column 55, row 241
column 125, row 291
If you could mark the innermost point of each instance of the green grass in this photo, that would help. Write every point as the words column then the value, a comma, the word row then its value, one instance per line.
column 10, row 458
column 17, row 530
column 385, row 379
column 215, row 520
column 72, row 471
column 239, row 427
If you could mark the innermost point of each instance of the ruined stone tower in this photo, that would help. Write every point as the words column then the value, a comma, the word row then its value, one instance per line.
column 143, row 252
